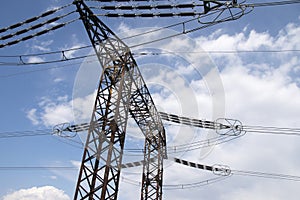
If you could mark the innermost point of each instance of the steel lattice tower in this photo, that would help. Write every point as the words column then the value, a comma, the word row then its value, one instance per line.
column 121, row 91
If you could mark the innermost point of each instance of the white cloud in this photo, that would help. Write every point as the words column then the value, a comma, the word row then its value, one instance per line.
column 57, row 80
column 272, row 94
column 53, row 177
column 35, row 59
column 287, row 38
column 37, row 193
column 72, row 53
column 51, row 112
column 83, row 107
column 56, row 114
column 76, row 163
column 69, row 175
column 42, row 45
column 31, row 115
column 75, row 44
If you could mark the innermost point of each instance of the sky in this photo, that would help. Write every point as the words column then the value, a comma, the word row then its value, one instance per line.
column 256, row 81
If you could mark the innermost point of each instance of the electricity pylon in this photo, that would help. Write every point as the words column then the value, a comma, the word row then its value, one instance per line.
column 121, row 91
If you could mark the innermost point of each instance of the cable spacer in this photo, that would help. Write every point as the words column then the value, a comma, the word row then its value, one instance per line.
column 235, row 127
column 221, row 170
column 60, row 130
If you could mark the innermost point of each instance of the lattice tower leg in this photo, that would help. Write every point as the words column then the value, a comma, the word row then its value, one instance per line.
column 152, row 173
column 148, row 119
column 100, row 169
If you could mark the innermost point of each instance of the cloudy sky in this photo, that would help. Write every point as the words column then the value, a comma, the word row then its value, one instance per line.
column 246, row 70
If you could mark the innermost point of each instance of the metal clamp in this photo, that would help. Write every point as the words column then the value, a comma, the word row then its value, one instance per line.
column 236, row 127
column 61, row 129
column 221, row 170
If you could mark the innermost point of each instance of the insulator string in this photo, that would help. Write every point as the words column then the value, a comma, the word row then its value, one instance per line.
column 33, row 19
column 55, row 27
column 34, row 27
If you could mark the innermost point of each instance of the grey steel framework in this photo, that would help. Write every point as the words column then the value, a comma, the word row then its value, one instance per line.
column 121, row 91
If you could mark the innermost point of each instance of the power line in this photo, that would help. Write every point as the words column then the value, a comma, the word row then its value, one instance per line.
column 175, row 149
column 18, row 168
column 156, row 53
column 157, row 10
column 220, row 52
column 125, row 38
column 61, row 52
column 223, row 171
column 109, row 1
column 272, row 130
column 55, row 27
column 117, row 8
column 191, row 146
column 180, row 186
column 180, row 148
column 232, row 129
column 184, row 31
column 219, row 18
column 63, row 58
column 266, row 175
column 229, row 127
column 255, row 4
column 39, row 132
column 220, row 139
column 53, row 21
column 30, row 20
column 226, row 171
column 23, row 31
column 233, row 16
column 147, row 7
column 275, row 3
column 39, row 70
column 18, row 134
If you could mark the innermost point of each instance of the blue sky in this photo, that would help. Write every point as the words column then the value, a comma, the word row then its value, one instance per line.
column 256, row 88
